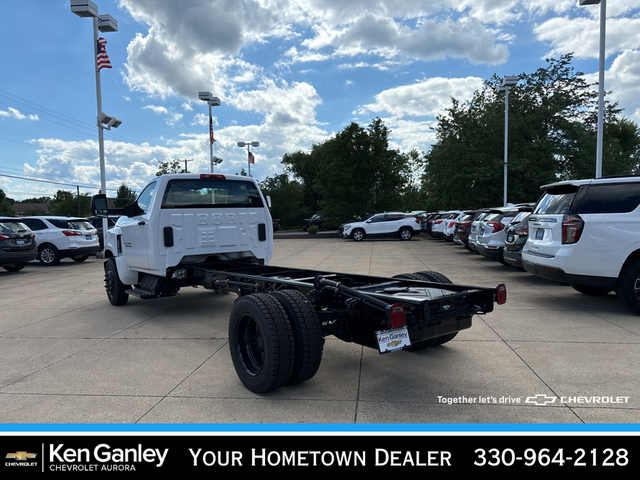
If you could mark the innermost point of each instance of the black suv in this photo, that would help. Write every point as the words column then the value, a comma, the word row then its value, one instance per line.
column 17, row 244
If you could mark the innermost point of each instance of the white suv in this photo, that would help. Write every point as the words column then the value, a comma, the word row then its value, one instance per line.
column 587, row 233
column 391, row 224
column 63, row 237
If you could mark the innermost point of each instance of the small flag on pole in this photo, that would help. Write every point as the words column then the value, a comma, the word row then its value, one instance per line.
column 102, row 57
column 251, row 158
column 211, row 131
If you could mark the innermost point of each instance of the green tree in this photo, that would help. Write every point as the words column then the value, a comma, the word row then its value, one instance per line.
column 176, row 165
column 287, row 199
column 67, row 204
column 5, row 205
column 125, row 196
column 353, row 173
column 552, row 129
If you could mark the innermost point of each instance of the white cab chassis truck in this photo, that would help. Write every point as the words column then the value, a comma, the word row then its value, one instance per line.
column 215, row 231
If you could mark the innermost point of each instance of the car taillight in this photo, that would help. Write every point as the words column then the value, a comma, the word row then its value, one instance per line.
column 397, row 315
column 4, row 237
column 72, row 233
column 523, row 230
column 572, row 226
column 497, row 226
column 212, row 175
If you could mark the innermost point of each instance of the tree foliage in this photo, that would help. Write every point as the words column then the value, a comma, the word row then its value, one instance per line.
column 67, row 204
column 5, row 205
column 552, row 128
column 353, row 173
column 125, row 196
column 287, row 199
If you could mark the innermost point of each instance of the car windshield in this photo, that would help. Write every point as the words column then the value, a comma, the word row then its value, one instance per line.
column 520, row 217
column 81, row 225
column 556, row 201
column 10, row 226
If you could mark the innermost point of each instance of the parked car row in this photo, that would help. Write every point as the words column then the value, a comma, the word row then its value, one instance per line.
column 583, row 233
column 484, row 231
column 47, row 239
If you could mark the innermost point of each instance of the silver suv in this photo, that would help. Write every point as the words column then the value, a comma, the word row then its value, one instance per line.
column 587, row 233
column 63, row 237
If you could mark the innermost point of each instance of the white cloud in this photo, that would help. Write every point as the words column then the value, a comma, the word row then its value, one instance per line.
column 427, row 98
column 17, row 114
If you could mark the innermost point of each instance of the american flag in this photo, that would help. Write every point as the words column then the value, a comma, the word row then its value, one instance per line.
column 102, row 57
column 211, row 131
column 251, row 158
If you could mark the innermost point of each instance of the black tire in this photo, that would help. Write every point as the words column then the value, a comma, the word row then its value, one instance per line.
column 358, row 235
column 405, row 233
column 14, row 268
column 628, row 290
column 116, row 290
column 261, row 342
column 80, row 258
column 592, row 291
column 307, row 334
column 48, row 255
column 432, row 276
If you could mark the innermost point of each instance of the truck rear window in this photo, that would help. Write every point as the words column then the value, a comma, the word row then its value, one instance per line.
column 211, row 193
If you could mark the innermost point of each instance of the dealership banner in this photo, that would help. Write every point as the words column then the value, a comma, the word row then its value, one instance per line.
column 244, row 453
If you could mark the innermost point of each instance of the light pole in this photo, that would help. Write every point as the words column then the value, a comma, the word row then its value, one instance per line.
column 507, row 83
column 212, row 102
column 600, row 133
column 102, row 23
column 250, row 159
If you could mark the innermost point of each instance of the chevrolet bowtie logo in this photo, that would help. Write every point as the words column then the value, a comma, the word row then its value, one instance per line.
column 21, row 455
column 540, row 399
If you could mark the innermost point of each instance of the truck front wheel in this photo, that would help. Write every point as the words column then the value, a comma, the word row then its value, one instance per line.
column 116, row 290
column 261, row 342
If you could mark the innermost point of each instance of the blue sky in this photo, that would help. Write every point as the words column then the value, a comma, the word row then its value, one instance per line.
column 288, row 73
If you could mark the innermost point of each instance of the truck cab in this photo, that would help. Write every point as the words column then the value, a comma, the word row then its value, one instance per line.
column 182, row 219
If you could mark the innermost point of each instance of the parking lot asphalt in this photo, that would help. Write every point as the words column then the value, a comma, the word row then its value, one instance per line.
column 550, row 355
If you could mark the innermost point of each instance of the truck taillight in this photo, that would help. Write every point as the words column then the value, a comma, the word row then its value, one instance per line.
column 212, row 175
column 72, row 233
column 397, row 315
column 501, row 294
column 572, row 226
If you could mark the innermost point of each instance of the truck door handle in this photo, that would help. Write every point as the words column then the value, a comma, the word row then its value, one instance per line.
column 141, row 222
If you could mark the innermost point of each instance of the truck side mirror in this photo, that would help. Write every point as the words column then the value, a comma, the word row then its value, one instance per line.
column 268, row 199
column 99, row 205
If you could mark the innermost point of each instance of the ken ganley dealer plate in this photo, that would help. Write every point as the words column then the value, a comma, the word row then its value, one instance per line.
column 391, row 340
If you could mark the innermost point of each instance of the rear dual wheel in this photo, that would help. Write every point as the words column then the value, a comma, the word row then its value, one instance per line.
column 275, row 340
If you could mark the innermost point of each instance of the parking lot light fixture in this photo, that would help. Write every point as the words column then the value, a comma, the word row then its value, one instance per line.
column 600, row 133
column 508, row 82
column 101, row 23
column 212, row 102
column 250, row 158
